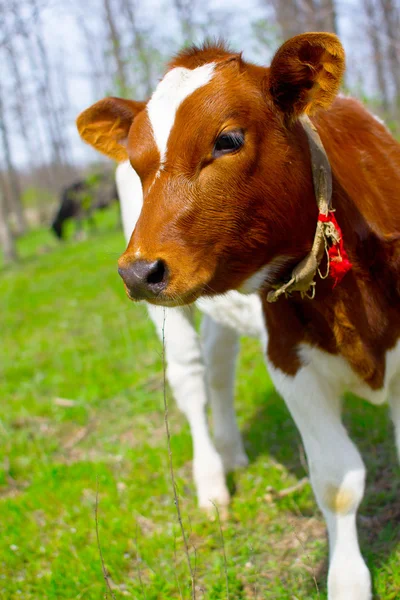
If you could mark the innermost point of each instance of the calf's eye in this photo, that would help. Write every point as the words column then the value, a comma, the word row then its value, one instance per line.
column 228, row 142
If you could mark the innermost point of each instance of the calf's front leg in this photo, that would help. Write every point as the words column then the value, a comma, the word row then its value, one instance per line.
column 337, row 475
column 221, row 346
column 186, row 376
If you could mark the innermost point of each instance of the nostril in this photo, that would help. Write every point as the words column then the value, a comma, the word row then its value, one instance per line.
column 144, row 279
column 158, row 273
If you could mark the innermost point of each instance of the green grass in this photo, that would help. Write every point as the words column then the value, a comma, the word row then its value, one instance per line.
column 68, row 332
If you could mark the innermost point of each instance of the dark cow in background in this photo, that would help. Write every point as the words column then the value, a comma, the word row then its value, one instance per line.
column 82, row 199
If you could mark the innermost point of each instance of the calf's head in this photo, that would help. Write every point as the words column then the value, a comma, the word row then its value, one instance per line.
column 225, row 169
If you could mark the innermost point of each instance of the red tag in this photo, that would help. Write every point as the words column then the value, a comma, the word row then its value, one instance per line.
column 339, row 263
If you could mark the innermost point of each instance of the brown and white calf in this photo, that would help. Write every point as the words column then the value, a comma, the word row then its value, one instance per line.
column 222, row 150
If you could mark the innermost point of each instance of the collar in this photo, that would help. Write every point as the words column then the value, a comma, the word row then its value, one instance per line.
column 328, row 236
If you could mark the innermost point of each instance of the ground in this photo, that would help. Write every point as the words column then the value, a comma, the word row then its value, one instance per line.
column 82, row 407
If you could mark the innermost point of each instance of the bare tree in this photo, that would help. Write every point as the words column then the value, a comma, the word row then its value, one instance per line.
column 20, row 99
column 96, row 71
column 326, row 17
column 14, row 195
column 288, row 17
column 391, row 22
column 54, row 125
column 116, row 46
column 37, row 57
column 63, row 102
column 297, row 16
column 374, row 28
column 142, row 52
column 185, row 9
column 7, row 241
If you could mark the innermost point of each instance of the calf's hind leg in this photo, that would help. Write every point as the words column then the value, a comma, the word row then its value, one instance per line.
column 337, row 476
column 394, row 402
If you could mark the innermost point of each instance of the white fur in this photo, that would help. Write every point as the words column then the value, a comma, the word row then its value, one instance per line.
column 131, row 195
column 380, row 120
column 235, row 311
column 253, row 283
column 199, row 371
column 343, row 379
column 173, row 89
column 267, row 273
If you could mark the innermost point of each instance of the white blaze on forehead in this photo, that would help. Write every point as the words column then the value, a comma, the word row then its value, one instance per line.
column 177, row 85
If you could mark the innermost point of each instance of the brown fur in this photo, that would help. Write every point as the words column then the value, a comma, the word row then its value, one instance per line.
column 106, row 124
column 196, row 56
column 305, row 76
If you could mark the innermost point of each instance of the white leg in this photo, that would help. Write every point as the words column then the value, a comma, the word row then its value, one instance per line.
column 394, row 401
column 185, row 372
column 220, row 351
column 337, row 476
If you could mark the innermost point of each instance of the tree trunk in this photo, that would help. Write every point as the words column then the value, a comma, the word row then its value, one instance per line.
column 49, row 106
column 7, row 241
column 142, row 55
column 21, row 102
column 326, row 16
column 185, row 12
column 308, row 15
column 297, row 16
column 374, row 27
column 391, row 25
column 40, row 70
column 14, row 196
column 96, row 75
column 116, row 48
column 289, row 17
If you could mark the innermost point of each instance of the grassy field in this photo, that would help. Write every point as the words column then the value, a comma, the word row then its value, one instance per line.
column 82, row 405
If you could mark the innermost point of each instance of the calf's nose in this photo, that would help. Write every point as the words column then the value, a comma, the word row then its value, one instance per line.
column 144, row 279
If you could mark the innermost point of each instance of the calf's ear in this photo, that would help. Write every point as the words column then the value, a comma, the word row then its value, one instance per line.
column 306, row 72
column 106, row 124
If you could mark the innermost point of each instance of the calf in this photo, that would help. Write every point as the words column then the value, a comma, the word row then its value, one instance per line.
column 242, row 167
column 201, row 370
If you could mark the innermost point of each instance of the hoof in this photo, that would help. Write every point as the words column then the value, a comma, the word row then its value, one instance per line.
column 209, row 477
column 233, row 454
column 349, row 581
